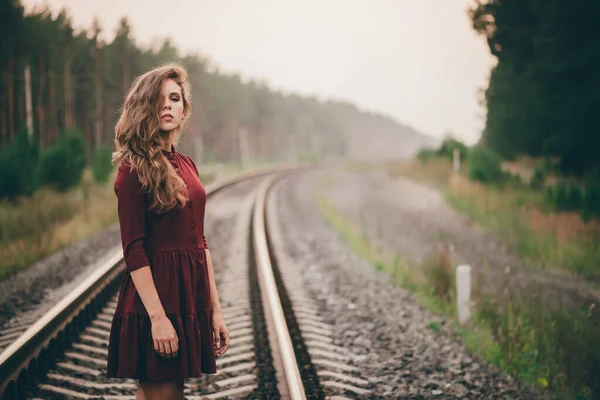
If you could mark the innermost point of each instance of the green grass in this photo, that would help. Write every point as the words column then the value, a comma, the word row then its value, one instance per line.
column 548, row 347
column 544, row 238
column 538, row 249
column 434, row 326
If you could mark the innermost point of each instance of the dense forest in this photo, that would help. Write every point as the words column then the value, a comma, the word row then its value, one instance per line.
column 75, row 81
column 543, row 96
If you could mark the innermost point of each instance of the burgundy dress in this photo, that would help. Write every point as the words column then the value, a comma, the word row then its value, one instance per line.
column 173, row 245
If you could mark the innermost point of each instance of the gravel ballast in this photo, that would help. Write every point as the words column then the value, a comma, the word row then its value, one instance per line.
column 399, row 352
column 28, row 294
column 416, row 220
column 42, row 285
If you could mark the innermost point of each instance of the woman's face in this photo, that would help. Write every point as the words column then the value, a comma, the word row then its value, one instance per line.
column 171, row 110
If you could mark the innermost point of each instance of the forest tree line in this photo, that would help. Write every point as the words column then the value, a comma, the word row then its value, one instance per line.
column 543, row 96
column 78, row 82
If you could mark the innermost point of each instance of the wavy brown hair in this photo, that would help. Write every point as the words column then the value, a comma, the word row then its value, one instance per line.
column 138, row 137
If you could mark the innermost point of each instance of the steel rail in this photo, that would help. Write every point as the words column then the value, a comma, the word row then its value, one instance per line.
column 28, row 356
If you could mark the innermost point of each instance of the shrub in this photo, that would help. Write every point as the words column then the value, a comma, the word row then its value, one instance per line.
column 447, row 148
column 574, row 198
column 538, row 179
column 514, row 178
column 62, row 164
column 549, row 194
column 18, row 162
column 559, row 195
column 485, row 166
column 548, row 165
column 591, row 197
column 565, row 196
column 102, row 165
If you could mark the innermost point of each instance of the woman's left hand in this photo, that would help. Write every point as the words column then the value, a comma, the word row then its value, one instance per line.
column 220, row 332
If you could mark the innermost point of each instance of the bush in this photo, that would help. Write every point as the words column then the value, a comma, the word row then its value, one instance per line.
column 62, row 164
column 591, row 197
column 538, row 179
column 18, row 162
column 549, row 195
column 569, row 196
column 485, row 166
column 560, row 194
column 447, row 148
column 565, row 196
column 574, row 198
column 514, row 178
column 548, row 165
column 102, row 165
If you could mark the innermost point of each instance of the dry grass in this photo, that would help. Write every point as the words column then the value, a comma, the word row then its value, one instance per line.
column 560, row 240
column 440, row 275
column 565, row 226
column 39, row 226
column 436, row 172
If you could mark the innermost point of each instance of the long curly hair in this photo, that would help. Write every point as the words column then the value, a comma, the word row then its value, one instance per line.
column 138, row 138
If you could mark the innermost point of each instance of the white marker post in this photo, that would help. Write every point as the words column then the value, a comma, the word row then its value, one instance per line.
column 463, row 293
column 456, row 160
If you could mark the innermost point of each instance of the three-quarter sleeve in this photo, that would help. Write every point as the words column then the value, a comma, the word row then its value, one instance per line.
column 132, row 217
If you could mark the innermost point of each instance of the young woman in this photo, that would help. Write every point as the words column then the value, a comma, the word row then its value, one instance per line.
column 168, row 324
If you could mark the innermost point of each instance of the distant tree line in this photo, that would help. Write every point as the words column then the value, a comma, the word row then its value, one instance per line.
column 543, row 96
column 77, row 82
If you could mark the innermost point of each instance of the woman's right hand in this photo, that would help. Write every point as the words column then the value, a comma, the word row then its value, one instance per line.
column 166, row 342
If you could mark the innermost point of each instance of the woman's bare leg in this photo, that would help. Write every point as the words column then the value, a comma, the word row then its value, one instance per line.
column 162, row 390
column 139, row 395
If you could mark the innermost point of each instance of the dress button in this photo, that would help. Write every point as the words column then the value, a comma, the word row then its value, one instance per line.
column 195, row 246
column 190, row 204
column 193, row 226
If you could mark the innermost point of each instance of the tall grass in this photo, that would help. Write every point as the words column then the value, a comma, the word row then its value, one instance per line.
column 544, row 238
column 37, row 226
column 554, row 349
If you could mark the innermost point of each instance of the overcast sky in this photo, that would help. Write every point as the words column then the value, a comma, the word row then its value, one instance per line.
column 417, row 61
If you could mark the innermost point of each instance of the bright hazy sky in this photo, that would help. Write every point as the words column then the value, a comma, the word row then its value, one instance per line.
column 417, row 61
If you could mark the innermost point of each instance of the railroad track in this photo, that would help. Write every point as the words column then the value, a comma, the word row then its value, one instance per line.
column 280, row 346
